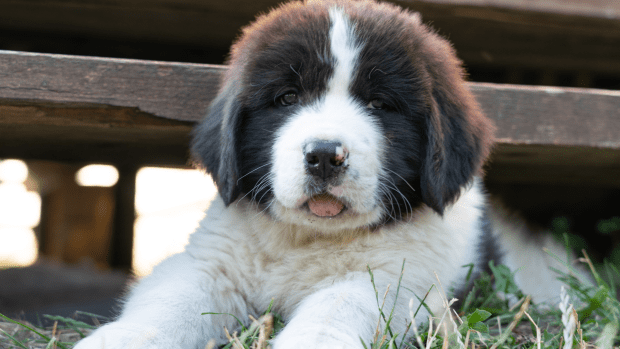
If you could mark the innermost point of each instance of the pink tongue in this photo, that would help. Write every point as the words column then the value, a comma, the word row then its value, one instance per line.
column 325, row 205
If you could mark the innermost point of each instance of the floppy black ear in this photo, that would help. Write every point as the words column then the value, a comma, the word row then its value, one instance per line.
column 459, row 140
column 213, row 143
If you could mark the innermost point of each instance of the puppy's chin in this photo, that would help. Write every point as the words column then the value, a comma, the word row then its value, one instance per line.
column 346, row 218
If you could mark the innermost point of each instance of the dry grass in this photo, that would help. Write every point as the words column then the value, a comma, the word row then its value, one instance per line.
column 22, row 334
column 588, row 317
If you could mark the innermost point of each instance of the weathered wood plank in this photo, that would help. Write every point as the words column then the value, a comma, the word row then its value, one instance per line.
column 83, row 89
column 90, row 133
column 174, row 90
column 125, row 111
column 552, row 115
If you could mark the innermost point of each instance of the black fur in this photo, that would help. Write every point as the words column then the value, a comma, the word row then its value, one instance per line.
column 284, row 60
column 488, row 250
column 285, row 66
column 214, row 146
column 386, row 72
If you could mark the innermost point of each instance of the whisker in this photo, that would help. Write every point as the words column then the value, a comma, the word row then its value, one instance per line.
column 254, row 170
column 262, row 196
column 260, row 186
column 391, row 185
column 401, row 177
column 263, row 210
column 391, row 198
column 257, row 187
column 387, row 193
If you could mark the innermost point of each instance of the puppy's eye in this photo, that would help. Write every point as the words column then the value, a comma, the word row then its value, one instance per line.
column 376, row 104
column 288, row 98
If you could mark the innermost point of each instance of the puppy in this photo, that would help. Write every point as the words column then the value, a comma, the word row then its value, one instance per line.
column 343, row 138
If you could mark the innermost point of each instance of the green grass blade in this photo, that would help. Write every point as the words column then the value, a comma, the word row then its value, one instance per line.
column 423, row 303
column 51, row 343
column 72, row 324
column 18, row 343
column 374, row 286
column 32, row 330
column 400, row 279
column 79, row 312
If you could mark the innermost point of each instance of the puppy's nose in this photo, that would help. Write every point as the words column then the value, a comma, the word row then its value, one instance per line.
column 325, row 159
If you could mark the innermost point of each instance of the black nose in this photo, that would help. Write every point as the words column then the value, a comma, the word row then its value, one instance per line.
column 325, row 159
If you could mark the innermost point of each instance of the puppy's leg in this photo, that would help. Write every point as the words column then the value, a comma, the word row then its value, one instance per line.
column 532, row 253
column 339, row 315
column 164, row 309
column 334, row 317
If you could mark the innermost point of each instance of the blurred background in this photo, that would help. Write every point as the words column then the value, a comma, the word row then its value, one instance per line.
column 59, row 242
column 169, row 203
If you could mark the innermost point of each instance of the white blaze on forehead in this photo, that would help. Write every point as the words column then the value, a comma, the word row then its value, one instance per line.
column 335, row 116
column 345, row 52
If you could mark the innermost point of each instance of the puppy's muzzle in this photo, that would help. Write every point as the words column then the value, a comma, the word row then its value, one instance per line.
column 325, row 160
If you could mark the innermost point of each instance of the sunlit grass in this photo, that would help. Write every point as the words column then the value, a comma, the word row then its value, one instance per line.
column 489, row 320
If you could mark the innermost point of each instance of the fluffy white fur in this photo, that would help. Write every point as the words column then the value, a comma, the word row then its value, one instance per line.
column 335, row 118
column 238, row 265
column 532, row 255
column 344, row 50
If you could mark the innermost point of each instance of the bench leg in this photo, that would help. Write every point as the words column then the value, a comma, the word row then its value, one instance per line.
column 121, row 246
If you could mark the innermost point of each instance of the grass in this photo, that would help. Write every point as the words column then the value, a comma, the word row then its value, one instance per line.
column 64, row 333
column 588, row 317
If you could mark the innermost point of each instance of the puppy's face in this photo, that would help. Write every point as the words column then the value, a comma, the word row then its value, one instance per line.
column 339, row 115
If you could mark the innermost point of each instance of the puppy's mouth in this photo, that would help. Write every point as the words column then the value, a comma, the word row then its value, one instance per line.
column 325, row 205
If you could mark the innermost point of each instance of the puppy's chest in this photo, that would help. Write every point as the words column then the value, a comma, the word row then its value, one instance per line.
column 291, row 275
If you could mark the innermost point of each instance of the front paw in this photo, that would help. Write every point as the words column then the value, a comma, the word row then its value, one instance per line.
column 119, row 335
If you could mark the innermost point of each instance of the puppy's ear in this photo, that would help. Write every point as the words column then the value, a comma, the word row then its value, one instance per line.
column 459, row 135
column 213, row 142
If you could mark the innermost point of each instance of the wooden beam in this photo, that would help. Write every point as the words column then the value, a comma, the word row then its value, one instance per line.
column 552, row 115
column 122, row 98
column 76, row 132
column 141, row 112
column 76, row 221
column 120, row 254
column 70, row 108
column 180, row 91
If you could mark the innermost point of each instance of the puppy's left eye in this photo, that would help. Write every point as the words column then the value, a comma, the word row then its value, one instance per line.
column 376, row 104
column 288, row 98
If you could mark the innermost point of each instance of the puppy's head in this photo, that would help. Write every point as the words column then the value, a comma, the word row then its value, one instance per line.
column 341, row 114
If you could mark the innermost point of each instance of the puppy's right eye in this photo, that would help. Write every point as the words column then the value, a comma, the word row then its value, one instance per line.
column 288, row 98
column 376, row 104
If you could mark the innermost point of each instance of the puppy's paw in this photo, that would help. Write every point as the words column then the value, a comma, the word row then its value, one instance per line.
column 119, row 335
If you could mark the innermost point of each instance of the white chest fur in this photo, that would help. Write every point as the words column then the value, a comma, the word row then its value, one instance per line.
column 269, row 260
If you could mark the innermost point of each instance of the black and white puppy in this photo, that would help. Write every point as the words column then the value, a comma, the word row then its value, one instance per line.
column 343, row 137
